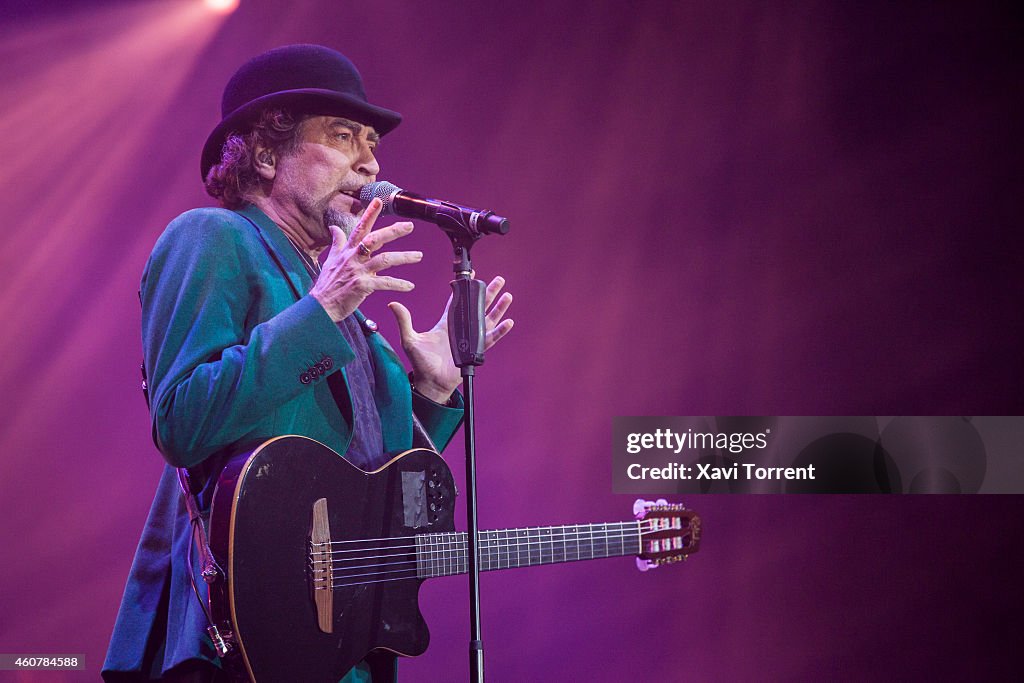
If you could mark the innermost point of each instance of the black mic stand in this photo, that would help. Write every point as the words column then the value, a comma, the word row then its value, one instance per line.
column 466, row 336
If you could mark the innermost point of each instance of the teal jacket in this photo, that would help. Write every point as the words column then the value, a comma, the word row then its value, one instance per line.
column 236, row 353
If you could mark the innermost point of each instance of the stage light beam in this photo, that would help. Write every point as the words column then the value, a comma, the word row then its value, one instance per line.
column 221, row 6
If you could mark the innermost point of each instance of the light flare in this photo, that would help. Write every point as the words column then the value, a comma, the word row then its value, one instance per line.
column 221, row 6
column 86, row 93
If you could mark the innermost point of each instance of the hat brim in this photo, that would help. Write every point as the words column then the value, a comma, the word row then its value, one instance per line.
column 304, row 101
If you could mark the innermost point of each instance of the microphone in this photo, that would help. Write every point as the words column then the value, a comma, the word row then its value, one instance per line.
column 451, row 217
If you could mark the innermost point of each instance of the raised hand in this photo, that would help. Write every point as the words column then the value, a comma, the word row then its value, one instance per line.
column 434, row 370
column 349, row 274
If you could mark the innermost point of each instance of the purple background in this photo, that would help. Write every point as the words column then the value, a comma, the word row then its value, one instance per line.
column 727, row 208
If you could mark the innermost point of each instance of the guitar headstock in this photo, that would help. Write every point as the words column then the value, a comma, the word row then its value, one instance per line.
column 668, row 532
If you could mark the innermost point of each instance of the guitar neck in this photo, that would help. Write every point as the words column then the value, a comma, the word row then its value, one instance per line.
column 446, row 554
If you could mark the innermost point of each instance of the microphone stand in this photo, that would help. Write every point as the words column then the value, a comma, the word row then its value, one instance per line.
column 466, row 336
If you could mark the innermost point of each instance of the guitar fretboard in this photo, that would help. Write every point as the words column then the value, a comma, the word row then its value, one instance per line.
column 446, row 554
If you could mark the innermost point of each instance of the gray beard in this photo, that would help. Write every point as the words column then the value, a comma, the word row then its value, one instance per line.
column 344, row 220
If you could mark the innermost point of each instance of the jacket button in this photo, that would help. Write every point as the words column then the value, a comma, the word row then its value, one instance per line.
column 370, row 325
column 305, row 378
column 328, row 362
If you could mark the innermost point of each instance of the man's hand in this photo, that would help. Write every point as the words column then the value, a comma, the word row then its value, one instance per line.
column 350, row 272
column 433, row 368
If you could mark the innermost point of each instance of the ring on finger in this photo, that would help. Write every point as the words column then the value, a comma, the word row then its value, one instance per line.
column 363, row 249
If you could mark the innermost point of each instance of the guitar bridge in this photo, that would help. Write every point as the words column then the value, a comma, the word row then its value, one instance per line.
column 320, row 566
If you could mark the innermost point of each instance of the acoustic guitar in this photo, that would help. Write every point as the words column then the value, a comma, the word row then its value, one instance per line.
column 324, row 561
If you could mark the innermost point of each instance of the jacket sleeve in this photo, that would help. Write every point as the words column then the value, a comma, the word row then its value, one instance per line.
column 439, row 421
column 214, row 371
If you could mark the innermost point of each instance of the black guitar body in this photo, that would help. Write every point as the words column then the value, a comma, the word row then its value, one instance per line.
column 260, row 528
column 324, row 561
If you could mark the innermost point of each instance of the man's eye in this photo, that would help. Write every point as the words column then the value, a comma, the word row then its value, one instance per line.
column 344, row 136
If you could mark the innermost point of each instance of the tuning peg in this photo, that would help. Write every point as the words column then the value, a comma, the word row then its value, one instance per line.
column 643, row 565
column 641, row 506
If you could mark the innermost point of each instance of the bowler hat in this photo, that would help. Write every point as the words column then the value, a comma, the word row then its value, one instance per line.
column 305, row 79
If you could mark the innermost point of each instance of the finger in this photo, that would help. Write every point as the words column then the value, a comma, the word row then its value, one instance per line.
column 378, row 238
column 495, row 315
column 404, row 319
column 442, row 322
column 491, row 338
column 394, row 284
column 338, row 237
column 366, row 222
column 388, row 259
column 493, row 287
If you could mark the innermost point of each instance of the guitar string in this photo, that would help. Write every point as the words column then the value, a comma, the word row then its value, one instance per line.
column 361, row 583
column 439, row 545
column 460, row 540
column 438, row 566
column 453, row 542
column 504, row 531
column 440, row 563
column 429, row 550
column 456, row 538
column 445, row 544
column 428, row 544
column 436, row 553
column 457, row 567
column 410, row 573
column 438, row 549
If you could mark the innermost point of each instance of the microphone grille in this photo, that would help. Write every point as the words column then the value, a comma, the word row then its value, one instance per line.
column 383, row 190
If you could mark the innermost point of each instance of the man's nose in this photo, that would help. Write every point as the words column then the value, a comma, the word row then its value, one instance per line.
column 367, row 165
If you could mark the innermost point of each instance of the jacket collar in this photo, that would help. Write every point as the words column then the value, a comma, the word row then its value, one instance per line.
column 283, row 250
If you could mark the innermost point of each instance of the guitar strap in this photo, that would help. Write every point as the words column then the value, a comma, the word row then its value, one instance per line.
column 210, row 571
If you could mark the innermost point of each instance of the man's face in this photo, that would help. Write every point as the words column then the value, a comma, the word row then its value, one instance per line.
column 334, row 157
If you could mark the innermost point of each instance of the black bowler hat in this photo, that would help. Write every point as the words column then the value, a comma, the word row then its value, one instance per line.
column 305, row 79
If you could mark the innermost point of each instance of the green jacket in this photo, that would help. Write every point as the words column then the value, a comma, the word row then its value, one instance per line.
column 236, row 353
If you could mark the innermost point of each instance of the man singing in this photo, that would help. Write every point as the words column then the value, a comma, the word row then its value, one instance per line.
column 246, row 338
